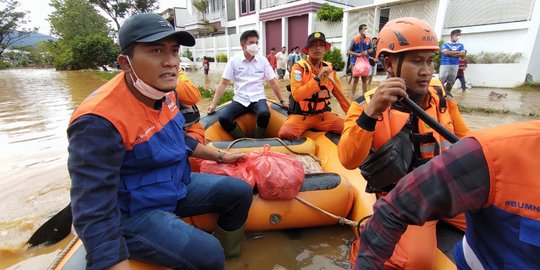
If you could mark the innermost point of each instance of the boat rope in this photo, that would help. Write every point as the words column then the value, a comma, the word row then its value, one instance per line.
column 341, row 220
column 278, row 140
column 62, row 254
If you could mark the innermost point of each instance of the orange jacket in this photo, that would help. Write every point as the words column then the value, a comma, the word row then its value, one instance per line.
column 356, row 142
column 305, row 87
column 188, row 93
column 512, row 211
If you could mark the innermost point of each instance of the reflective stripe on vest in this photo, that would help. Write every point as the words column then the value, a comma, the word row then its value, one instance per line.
column 429, row 148
column 472, row 261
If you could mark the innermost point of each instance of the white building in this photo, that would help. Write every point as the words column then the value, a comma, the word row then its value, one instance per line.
column 510, row 26
column 279, row 23
column 496, row 26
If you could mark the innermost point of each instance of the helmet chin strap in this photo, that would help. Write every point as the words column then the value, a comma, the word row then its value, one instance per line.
column 399, row 64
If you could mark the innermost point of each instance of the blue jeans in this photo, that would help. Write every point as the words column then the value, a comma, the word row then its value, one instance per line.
column 235, row 109
column 162, row 238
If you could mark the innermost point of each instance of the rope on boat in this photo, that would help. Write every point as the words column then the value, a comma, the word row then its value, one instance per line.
column 278, row 140
column 62, row 254
column 341, row 220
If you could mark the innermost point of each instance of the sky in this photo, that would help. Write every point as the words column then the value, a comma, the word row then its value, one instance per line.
column 40, row 10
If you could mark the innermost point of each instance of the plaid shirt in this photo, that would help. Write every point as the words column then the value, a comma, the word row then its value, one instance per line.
column 96, row 154
column 451, row 183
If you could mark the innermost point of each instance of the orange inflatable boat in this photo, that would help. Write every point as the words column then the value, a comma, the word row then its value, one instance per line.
column 325, row 196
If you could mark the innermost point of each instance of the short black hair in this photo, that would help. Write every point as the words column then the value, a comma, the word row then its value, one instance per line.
column 273, row 49
column 284, row 47
column 247, row 34
column 129, row 50
column 361, row 26
column 455, row 32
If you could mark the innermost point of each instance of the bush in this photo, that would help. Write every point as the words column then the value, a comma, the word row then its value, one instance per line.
column 209, row 93
column 334, row 56
column 329, row 13
column 4, row 64
column 493, row 58
column 94, row 51
column 188, row 54
column 437, row 58
column 221, row 57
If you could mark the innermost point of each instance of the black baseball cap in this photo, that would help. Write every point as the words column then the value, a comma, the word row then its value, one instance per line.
column 150, row 27
column 315, row 36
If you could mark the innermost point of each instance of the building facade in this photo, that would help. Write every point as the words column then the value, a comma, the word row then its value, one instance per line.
column 279, row 23
column 506, row 29
column 509, row 27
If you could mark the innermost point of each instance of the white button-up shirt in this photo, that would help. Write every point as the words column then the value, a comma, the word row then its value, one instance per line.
column 248, row 78
column 282, row 59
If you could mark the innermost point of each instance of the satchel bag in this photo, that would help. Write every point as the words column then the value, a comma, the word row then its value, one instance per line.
column 384, row 167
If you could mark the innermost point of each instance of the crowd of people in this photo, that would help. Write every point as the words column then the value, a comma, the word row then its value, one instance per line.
column 132, row 141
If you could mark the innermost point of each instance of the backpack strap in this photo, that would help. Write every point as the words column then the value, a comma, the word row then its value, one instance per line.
column 442, row 98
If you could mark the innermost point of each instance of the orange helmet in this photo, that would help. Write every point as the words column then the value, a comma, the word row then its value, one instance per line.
column 406, row 34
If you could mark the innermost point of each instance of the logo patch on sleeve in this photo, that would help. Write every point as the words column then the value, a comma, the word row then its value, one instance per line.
column 297, row 77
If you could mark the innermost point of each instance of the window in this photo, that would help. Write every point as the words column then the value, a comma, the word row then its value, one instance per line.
column 247, row 7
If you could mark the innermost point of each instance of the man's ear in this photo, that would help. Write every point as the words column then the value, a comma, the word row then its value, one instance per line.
column 389, row 65
column 123, row 62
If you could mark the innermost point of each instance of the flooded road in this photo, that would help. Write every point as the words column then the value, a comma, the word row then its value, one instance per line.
column 35, row 106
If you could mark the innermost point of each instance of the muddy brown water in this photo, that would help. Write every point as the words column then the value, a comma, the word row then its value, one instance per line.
column 35, row 106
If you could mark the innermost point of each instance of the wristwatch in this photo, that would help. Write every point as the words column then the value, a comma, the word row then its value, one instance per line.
column 220, row 156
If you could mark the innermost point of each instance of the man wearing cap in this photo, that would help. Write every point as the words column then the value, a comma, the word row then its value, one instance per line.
column 248, row 71
column 312, row 80
column 128, row 161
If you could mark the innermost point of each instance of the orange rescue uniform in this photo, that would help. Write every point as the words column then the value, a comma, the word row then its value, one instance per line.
column 188, row 96
column 355, row 145
column 312, row 98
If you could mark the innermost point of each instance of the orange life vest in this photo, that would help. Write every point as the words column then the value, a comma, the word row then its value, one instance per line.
column 429, row 142
column 512, row 211
column 317, row 103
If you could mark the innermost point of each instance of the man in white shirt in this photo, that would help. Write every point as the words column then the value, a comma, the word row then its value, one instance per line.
column 248, row 71
column 282, row 58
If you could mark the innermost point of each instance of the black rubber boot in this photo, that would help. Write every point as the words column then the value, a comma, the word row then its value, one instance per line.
column 237, row 133
column 260, row 133
column 231, row 241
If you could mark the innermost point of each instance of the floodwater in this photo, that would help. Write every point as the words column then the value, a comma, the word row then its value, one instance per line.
column 35, row 106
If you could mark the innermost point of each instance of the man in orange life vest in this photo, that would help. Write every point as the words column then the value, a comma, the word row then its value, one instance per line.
column 187, row 102
column 493, row 177
column 408, row 46
column 128, row 162
column 310, row 92
column 360, row 47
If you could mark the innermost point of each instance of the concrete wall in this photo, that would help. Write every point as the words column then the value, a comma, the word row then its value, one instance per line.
column 495, row 75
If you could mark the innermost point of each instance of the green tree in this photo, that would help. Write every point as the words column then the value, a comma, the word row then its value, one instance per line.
column 11, row 22
column 188, row 54
column 93, row 51
column 120, row 9
column 75, row 18
column 329, row 13
column 334, row 56
column 73, row 21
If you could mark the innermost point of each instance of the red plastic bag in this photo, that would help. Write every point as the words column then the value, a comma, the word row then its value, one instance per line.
column 240, row 169
column 361, row 67
column 278, row 176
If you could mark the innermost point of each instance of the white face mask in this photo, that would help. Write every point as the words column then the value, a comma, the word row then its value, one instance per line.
column 252, row 49
column 456, row 38
column 145, row 89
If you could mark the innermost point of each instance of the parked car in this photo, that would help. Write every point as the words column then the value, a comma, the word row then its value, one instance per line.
column 187, row 64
